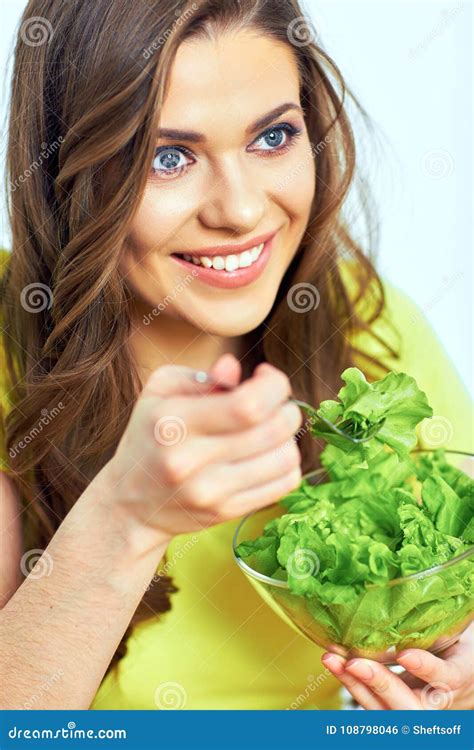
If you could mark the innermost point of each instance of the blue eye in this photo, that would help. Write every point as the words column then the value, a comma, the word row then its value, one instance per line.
column 167, row 160
column 277, row 135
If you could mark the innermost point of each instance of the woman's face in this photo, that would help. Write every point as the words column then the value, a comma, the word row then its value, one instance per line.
column 236, row 181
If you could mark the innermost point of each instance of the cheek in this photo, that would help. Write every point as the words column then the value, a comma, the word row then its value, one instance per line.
column 296, row 186
column 161, row 214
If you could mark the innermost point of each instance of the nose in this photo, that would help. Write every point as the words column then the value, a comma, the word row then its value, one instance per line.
column 234, row 202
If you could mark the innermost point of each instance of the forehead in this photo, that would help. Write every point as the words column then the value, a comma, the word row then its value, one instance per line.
column 232, row 79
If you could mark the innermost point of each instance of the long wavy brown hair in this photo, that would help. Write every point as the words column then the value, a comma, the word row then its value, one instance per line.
column 85, row 98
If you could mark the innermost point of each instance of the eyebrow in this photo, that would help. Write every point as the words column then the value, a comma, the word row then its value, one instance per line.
column 194, row 137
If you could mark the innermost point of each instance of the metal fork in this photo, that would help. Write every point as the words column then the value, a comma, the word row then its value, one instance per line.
column 202, row 377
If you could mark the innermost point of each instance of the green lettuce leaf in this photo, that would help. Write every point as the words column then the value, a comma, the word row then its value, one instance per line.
column 356, row 542
column 388, row 409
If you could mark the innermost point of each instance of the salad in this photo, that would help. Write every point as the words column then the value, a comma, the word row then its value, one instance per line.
column 383, row 512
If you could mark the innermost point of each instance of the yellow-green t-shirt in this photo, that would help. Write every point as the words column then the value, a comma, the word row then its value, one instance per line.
column 221, row 646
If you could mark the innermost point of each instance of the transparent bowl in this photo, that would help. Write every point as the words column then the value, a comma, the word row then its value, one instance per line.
column 424, row 625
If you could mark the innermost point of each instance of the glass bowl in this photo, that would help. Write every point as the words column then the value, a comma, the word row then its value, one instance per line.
column 408, row 611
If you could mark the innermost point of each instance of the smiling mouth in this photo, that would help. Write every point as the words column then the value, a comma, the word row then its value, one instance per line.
column 225, row 263
column 229, row 270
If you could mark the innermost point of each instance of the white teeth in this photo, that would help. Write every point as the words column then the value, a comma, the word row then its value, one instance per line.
column 245, row 259
column 227, row 262
column 231, row 262
column 218, row 262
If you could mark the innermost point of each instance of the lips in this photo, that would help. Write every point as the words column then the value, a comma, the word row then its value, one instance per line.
column 224, row 257
column 230, row 249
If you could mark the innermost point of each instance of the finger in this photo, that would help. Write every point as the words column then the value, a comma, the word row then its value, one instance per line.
column 195, row 452
column 276, row 432
column 386, row 685
column 453, row 672
column 410, row 680
column 261, row 496
column 249, row 404
column 360, row 692
column 227, row 370
column 228, row 479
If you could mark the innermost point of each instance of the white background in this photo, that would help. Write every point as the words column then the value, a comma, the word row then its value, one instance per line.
column 410, row 65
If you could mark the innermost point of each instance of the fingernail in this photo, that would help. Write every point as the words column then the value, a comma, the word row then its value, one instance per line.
column 409, row 659
column 360, row 669
column 333, row 662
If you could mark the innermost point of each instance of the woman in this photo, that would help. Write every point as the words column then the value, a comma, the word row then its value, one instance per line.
column 181, row 141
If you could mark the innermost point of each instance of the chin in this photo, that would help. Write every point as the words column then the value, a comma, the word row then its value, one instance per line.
column 236, row 325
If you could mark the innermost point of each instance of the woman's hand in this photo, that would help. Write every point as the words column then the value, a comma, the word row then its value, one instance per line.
column 190, row 458
column 429, row 682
